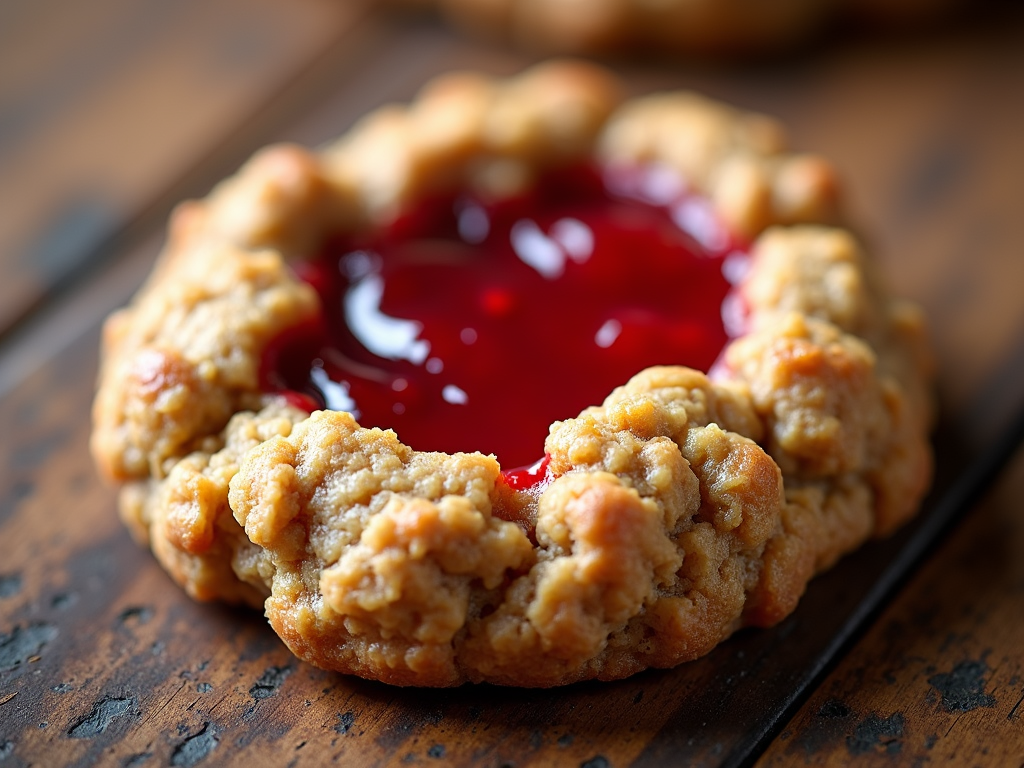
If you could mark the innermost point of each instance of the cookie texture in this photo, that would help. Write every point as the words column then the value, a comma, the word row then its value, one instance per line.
column 683, row 507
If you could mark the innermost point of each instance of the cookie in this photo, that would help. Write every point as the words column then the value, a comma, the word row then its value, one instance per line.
column 717, row 28
column 332, row 398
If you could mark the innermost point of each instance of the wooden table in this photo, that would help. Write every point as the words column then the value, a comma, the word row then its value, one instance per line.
column 908, row 653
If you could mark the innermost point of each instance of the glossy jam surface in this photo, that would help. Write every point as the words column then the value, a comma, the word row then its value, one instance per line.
column 467, row 326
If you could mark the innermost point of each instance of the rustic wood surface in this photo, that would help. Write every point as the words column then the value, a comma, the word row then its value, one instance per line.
column 939, row 678
column 105, row 107
column 104, row 661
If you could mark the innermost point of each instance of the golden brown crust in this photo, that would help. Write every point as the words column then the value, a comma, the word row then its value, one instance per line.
column 682, row 508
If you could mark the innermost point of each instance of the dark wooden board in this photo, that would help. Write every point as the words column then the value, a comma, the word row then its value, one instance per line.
column 103, row 660
column 939, row 678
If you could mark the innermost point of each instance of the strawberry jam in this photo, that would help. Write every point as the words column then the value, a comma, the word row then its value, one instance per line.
column 471, row 326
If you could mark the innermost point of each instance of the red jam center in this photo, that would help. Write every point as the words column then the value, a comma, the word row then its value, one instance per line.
column 468, row 326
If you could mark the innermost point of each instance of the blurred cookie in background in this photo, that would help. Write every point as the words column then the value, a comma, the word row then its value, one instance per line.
column 705, row 28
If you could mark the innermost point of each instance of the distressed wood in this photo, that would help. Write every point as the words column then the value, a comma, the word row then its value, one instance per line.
column 103, row 660
column 939, row 678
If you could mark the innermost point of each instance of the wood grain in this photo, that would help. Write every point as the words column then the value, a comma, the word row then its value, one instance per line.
column 104, row 661
column 939, row 678
column 105, row 105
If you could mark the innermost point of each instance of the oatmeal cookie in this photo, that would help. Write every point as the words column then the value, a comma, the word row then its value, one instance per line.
column 684, row 506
